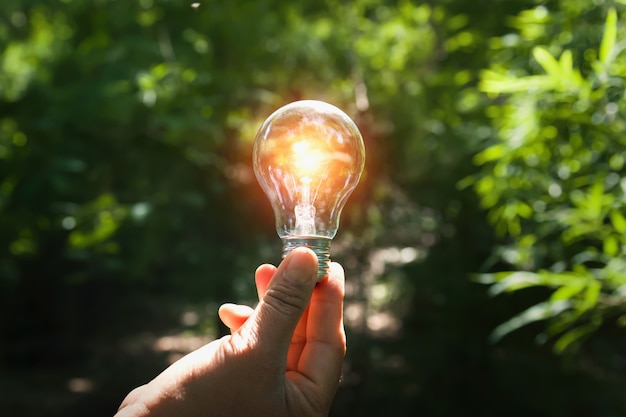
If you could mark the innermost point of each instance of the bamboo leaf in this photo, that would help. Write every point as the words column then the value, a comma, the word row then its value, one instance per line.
column 608, row 39
column 515, row 281
column 538, row 312
column 492, row 153
column 567, row 63
column 547, row 61
column 572, row 336
column 567, row 292
column 590, row 298
column 493, row 82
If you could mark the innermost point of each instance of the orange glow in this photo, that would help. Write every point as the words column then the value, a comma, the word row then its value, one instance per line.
column 307, row 160
column 310, row 153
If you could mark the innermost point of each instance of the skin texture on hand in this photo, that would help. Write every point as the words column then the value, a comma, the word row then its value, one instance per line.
column 282, row 359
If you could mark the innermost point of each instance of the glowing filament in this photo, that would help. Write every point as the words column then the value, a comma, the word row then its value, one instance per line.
column 305, row 210
column 307, row 160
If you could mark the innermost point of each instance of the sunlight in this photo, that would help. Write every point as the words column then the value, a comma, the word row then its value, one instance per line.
column 383, row 324
column 80, row 385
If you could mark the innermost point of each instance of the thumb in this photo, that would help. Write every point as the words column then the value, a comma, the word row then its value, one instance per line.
column 286, row 298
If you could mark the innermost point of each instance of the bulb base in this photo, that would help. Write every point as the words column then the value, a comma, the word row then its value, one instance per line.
column 319, row 245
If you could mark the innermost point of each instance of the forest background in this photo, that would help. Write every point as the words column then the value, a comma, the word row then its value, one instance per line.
column 485, row 248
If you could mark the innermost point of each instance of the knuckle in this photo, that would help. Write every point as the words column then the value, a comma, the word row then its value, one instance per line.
column 286, row 299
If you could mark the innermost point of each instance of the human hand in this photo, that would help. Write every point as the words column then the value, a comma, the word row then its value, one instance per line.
column 283, row 358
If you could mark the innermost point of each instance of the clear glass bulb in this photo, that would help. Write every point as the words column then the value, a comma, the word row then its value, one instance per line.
column 308, row 157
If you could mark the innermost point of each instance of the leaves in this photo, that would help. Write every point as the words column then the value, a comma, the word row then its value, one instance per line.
column 538, row 312
column 548, row 62
column 552, row 133
column 619, row 221
column 609, row 39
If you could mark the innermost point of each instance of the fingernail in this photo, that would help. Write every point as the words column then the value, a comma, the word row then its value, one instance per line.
column 302, row 265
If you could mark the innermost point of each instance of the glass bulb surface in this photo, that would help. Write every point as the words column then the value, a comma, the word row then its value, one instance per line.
column 308, row 157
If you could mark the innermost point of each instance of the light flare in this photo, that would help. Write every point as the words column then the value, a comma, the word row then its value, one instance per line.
column 308, row 161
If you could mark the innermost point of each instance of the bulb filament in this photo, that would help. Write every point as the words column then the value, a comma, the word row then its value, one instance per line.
column 305, row 211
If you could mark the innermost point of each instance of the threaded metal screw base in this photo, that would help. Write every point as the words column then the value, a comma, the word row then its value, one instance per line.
column 319, row 245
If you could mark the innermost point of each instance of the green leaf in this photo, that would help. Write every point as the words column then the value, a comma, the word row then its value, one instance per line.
column 524, row 210
column 573, row 336
column 494, row 82
column 494, row 277
column 608, row 39
column 547, row 61
column 610, row 246
column 484, row 278
column 515, row 281
column 591, row 296
column 567, row 292
column 466, row 182
column 538, row 312
column 490, row 154
column 618, row 220
column 567, row 62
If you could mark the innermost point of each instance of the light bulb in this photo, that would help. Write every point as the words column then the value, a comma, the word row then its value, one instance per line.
column 308, row 157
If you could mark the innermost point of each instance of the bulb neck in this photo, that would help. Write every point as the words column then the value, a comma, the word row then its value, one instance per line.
column 319, row 245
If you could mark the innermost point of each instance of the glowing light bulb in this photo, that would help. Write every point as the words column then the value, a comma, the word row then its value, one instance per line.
column 308, row 157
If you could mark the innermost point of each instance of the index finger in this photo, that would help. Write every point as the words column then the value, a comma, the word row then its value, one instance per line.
column 262, row 278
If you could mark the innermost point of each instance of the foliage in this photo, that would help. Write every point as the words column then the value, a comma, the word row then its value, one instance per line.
column 554, row 180
column 129, row 210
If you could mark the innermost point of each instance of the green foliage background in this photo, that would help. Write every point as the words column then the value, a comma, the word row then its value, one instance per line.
column 496, row 155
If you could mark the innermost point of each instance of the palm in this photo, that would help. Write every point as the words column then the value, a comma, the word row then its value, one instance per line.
column 309, row 374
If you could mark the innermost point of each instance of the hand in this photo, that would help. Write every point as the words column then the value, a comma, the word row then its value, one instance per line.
column 283, row 358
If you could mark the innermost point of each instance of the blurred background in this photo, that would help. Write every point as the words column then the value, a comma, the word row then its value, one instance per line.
column 485, row 247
